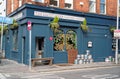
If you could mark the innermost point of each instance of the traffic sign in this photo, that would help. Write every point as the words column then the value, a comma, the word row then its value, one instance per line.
column 29, row 25
column 117, row 34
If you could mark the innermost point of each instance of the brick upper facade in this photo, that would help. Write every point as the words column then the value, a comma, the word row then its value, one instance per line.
column 111, row 5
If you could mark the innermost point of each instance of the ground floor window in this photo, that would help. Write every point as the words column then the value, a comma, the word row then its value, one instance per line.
column 15, row 39
column 65, row 41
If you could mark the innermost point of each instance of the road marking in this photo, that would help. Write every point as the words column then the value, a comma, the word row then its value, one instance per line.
column 42, row 76
column 105, row 76
column 2, row 76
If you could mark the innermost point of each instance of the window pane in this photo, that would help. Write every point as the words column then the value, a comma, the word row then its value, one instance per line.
column 92, row 6
column 102, row 1
column 59, row 41
column 15, row 39
column 71, row 40
column 102, row 6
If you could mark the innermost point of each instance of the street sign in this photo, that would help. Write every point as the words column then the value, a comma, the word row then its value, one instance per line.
column 117, row 34
column 6, row 20
column 29, row 25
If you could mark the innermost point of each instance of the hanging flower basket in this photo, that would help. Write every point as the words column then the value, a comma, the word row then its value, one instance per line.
column 84, row 26
column 14, row 25
column 54, row 25
column 5, row 28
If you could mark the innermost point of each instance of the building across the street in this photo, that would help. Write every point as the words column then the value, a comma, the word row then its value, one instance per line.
column 80, row 28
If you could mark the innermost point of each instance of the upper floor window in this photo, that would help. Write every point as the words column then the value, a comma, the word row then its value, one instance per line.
column 92, row 6
column 69, row 4
column 12, row 6
column 102, row 6
column 42, row 1
column 54, row 3
column 20, row 3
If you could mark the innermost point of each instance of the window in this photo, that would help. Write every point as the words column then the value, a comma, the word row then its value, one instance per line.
column 71, row 40
column 65, row 41
column 59, row 41
column 92, row 6
column 102, row 6
column 20, row 3
column 54, row 3
column 42, row 1
column 12, row 6
column 15, row 39
column 69, row 4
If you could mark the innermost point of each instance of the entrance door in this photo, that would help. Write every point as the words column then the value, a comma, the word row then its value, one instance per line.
column 39, row 47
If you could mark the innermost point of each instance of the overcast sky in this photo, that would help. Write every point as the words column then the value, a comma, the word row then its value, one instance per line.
column 2, row 7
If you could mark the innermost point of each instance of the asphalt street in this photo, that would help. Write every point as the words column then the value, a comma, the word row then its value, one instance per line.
column 92, row 73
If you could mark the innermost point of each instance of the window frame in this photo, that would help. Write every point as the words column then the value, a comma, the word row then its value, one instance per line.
column 42, row 1
column 104, row 4
column 15, row 40
column 93, row 6
column 68, row 2
column 53, row 4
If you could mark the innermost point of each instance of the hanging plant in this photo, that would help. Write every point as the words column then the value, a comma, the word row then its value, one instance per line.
column 84, row 26
column 14, row 25
column 54, row 25
column 5, row 28
column 112, row 28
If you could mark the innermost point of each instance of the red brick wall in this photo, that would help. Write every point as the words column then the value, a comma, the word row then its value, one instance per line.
column 82, row 8
column 16, row 4
column 110, row 5
column 8, row 6
column 61, row 3
column 97, row 6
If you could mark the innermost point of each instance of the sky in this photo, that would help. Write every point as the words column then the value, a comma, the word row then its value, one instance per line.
column 2, row 7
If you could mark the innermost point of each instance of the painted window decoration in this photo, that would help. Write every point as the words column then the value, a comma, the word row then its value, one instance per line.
column 15, row 39
column 102, row 6
column 71, row 40
column 92, row 6
column 59, row 40
column 54, row 3
column 65, row 41
column 69, row 4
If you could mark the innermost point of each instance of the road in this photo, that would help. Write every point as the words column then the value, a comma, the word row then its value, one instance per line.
column 94, row 73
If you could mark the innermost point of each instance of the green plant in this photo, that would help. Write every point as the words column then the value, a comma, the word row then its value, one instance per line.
column 54, row 25
column 84, row 26
column 14, row 25
column 112, row 28
column 5, row 28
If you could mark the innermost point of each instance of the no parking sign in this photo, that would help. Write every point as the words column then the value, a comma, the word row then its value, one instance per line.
column 117, row 34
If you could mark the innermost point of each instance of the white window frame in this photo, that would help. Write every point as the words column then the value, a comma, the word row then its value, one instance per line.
column 42, row 1
column 55, row 5
column 69, row 2
column 92, row 8
column 12, row 5
column 20, row 3
column 104, row 7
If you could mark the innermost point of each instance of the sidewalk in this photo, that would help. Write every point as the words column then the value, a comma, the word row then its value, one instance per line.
column 11, row 66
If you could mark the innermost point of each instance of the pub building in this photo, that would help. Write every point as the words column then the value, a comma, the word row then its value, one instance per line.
column 45, row 42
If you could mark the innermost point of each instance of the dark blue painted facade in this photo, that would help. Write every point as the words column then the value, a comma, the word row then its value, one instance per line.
column 100, row 34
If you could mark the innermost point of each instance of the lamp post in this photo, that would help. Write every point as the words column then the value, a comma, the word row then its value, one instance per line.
column 116, row 51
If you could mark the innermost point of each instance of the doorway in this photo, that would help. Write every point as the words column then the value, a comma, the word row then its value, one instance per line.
column 39, row 47
column 23, row 50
